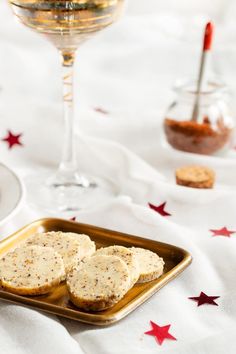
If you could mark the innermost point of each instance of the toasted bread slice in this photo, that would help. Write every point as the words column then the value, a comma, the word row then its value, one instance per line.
column 150, row 264
column 98, row 283
column 31, row 270
column 127, row 256
column 87, row 246
column 68, row 247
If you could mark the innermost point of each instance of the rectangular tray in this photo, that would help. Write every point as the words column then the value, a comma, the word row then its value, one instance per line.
column 57, row 302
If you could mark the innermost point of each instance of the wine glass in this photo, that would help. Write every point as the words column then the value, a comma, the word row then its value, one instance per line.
column 67, row 24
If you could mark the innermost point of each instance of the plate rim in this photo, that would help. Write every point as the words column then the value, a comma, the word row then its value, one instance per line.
column 21, row 197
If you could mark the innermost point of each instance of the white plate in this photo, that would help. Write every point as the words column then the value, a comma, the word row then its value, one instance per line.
column 11, row 193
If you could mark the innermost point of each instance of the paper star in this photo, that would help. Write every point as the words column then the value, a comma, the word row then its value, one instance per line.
column 160, row 209
column 73, row 219
column 12, row 139
column 100, row 110
column 160, row 333
column 203, row 299
column 223, row 232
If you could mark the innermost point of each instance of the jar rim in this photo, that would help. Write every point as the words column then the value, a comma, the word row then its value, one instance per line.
column 189, row 86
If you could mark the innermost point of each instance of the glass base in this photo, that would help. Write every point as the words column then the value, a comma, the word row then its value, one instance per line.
column 59, row 195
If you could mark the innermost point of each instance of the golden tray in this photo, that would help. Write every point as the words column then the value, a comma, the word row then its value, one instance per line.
column 58, row 303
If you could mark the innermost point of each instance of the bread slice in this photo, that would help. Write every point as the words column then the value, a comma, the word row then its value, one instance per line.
column 31, row 270
column 127, row 256
column 87, row 246
column 98, row 283
column 150, row 264
column 68, row 247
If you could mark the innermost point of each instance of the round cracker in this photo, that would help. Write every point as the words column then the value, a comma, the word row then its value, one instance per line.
column 87, row 246
column 127, row 256
column 150, row 264
column 195, row 177
column 98, row 283
column 68, row 247
column 31, row 270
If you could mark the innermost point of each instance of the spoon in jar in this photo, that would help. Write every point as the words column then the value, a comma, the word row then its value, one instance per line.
column 202, row 77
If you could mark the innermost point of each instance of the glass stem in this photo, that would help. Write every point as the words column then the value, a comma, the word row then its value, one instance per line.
column 68, row 165
column 67, row 174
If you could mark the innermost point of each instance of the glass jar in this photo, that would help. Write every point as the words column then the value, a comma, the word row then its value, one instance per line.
column 208, row 133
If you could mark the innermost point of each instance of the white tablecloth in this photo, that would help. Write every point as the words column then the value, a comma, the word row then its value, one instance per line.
column 128, row 71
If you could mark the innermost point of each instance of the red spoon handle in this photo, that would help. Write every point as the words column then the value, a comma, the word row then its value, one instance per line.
column 208, row 36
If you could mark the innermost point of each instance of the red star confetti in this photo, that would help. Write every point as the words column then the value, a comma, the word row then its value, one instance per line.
column 73, row 219
column 12, row 139
column 160, row 333
column 100, row 110
column 159, row 209
column 203, row 299
column 223, row 232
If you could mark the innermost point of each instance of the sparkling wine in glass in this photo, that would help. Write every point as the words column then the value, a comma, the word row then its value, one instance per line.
column 67, row 24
